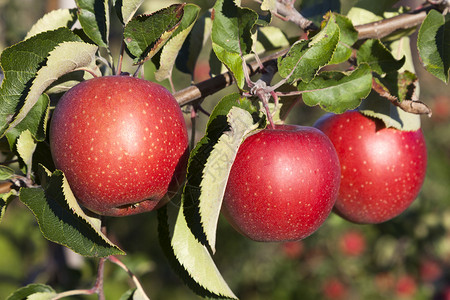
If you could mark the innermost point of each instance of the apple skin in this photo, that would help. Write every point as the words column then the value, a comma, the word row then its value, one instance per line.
column 382, row 169
column 283, row 184
column 121, row 142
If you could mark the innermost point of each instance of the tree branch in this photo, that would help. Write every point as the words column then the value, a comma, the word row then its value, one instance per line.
column 383, row 28
column 376, row 30
column 217, row 83
column 285, row 10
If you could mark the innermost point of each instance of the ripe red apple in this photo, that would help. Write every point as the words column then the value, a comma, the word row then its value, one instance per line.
column 406, row 286
column 333, row 288
column 283, row 184
column 382, row 169
column 121, row 142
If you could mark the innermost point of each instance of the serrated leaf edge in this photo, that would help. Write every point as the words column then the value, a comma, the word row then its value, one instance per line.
column 233, row 138
column 35, row 91
column 181, row 218
column 77, row 210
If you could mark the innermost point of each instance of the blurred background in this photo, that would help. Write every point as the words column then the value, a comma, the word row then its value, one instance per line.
column 406, row 258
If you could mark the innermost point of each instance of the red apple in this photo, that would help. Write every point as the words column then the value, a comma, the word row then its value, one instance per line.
column 333, row 288
column 405, row 286
column 441, row 108
column 382, row 169
column 352, row 243
column 430, row 270
column 292, row 250
column 121, row 142
column 283, row 184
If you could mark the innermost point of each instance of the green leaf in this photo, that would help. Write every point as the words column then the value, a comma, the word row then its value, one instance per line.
column 379, row 58
column 35, row 121
column 145, row 35
column 402, row 47
column 393, row 116
column 26, row 145
column 28, row 291
column 201, row 166
column 270, row 5
column 217, row 169
column 360, row 16
column 347, row 37
column 5, row 200
column 195, row 43
column 53, row 20
column 20, row 64
column 400, row 90
column 337, row 92
column 128, row 295
column 400, row 86
column 62, row 220
column 189, row 258
column 134, row 294
column 376, row 7
column 270, row 38
column 65, row 58
column 94, row 19
column 126, row 9
column 306, row 57
column 232, row 36
column 6, row 173
column 139, row 294
column 433, row 43
column 67, row 81
column 173, row 46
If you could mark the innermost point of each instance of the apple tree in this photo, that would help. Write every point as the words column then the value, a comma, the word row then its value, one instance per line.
column 87, row 137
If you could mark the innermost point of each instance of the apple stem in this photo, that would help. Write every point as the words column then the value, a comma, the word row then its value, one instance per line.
column 90, row 71
column 99, row 283
column 119, row 62
column 262, row 90
column 96, row 289
column 137, row 70
column 265, row 100
column 172, row 86
column 136, row 282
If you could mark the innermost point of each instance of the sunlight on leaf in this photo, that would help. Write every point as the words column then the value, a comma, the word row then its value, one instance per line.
column 195, row 202
column 126, row 9
column 173, row 46
column 29, row 292
column 379, row 58
column 232, row 35
column 18, row 75
column 25, row 147
column 217, row 169
column 433, row 43
column 337, row 92
column 145, row 35
column 36, row 122
column 53, row 20
column 306, row 57
column 94, row 19
column 66, row 57
column 62, row 220
column 191, row 260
